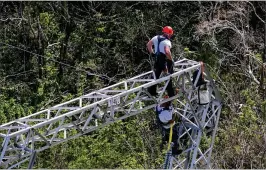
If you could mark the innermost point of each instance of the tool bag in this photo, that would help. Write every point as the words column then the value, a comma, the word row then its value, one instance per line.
column 204, row 95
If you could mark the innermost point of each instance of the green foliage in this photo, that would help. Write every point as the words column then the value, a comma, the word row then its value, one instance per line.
column 10, row 109
column 241, row 132
column 258, row 56
column 263, row 110
column 119, row 145
column 56, row 45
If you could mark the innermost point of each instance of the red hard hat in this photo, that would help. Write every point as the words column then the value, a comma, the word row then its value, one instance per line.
column 168, row 30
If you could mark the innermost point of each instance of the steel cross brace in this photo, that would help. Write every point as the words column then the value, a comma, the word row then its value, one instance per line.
column 197, row 129
column 22, row 138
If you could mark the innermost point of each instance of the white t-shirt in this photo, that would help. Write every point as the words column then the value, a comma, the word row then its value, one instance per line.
column 163, row 43
column 165, row 116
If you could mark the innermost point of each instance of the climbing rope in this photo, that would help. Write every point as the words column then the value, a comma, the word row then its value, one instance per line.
column 170, row 137
column 169, row 149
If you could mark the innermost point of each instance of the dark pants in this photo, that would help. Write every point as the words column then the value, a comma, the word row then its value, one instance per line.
column 166, row 133
column 160, row 64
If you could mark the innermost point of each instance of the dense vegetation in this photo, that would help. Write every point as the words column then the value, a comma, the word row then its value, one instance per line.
column 54, row 51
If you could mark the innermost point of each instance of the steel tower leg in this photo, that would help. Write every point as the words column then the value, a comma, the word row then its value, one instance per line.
column 32, row 159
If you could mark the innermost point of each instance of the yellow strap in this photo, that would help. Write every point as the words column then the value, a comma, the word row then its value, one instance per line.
column 170, row 136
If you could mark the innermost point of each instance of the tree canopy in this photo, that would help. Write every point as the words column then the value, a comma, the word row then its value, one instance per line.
column 51, row 52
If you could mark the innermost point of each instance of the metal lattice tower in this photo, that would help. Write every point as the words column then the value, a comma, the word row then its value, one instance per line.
column 22, row 138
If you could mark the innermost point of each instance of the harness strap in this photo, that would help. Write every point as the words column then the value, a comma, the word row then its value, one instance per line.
column 160, row 39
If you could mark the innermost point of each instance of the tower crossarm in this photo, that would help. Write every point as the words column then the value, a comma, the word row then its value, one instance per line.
column 23, row 137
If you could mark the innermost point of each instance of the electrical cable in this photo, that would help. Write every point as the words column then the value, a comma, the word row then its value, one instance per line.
column 68, row 65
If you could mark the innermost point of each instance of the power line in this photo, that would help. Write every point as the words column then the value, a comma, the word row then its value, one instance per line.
column 16, row 74
column 68, row 65
column 19, row 73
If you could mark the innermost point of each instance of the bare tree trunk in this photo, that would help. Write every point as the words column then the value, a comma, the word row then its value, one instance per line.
column 263, row 89
column 68, row 28
column 40, row 59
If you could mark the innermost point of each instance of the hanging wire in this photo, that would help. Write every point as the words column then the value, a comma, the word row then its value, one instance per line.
column 51, row 59
column 17, row 74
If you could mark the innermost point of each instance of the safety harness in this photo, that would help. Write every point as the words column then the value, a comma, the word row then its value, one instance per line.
column 160, row 39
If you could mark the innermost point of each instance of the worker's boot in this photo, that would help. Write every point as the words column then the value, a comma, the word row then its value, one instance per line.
column 176, row 151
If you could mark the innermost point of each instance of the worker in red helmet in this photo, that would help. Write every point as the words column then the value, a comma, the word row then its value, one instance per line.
column 163, row 57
